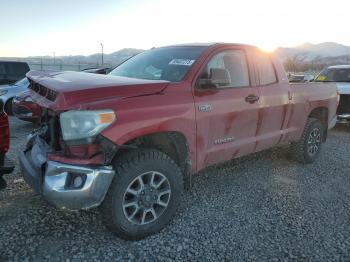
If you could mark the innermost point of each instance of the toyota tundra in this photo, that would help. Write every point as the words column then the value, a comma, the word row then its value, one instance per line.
column 130, row 141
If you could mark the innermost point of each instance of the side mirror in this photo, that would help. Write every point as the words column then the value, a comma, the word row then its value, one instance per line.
column 218, row 77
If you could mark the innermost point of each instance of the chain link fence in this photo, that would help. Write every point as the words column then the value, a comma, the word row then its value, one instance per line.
column 64, row 67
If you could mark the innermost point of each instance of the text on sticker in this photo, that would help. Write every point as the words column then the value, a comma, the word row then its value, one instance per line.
column 184, row 62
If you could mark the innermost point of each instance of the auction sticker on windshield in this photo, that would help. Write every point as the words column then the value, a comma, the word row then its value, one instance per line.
column 184, row 62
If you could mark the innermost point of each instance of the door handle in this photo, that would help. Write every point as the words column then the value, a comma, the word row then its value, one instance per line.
column 251, row 99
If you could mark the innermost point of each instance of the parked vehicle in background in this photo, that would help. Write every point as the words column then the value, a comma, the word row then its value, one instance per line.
column 25, row 109
column 6, row 166
column 12, row 71
column 129, row 141
column 102, row 71
column 8, row 92
column 339, row 74
column 300, row 78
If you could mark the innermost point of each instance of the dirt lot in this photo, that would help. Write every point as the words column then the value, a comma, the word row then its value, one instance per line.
column 262, row 207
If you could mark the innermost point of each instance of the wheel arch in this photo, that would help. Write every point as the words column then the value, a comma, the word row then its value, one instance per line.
column 172, row 143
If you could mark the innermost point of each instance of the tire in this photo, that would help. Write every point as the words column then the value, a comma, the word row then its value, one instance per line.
column 128, row 220
column 8, row 107
column 308, row 147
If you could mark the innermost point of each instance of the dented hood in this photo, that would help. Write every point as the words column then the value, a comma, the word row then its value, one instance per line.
column 65, row 90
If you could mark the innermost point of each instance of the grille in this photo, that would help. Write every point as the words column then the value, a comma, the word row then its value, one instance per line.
column 43, row 91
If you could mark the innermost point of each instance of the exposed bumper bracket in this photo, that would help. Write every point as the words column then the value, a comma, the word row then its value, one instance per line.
column 54, row 179
column 90, row 195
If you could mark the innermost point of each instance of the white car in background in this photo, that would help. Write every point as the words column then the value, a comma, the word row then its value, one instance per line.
column 8, row 92
column 341, row 75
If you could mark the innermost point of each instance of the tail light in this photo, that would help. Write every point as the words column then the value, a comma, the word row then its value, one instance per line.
column 4, row 133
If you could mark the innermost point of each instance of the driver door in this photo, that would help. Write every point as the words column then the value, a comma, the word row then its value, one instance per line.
column 227, row 113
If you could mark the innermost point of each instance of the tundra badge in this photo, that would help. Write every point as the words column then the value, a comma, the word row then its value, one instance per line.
column 224, row 140
column 205, row 108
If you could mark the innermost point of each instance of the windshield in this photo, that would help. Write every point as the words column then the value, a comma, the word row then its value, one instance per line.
column 168, row 63
column 23, row 81
column 334, row 75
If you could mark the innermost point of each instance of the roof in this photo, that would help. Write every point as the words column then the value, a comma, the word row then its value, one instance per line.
column 208, row 45
column 193, row 44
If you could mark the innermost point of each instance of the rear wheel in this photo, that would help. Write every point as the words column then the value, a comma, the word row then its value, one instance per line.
column 144, row 194
column 308, row 147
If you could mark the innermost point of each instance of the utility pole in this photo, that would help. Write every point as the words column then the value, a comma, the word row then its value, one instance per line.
column 102, row 52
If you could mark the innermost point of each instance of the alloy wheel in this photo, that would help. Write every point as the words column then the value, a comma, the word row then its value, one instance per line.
column 314, row 142
column 146, row 198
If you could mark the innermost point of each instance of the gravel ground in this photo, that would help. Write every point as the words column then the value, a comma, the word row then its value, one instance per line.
column 261, row 207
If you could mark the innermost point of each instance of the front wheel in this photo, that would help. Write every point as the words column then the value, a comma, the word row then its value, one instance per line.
column 308, row 147
column 144, row 194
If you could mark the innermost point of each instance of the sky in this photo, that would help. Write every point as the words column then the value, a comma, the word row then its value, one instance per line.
column 77, row 27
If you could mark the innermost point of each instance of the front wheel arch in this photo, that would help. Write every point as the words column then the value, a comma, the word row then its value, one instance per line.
column 174, row 144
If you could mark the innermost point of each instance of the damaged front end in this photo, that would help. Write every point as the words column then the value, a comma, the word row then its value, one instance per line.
column 73, row 174
column 67, row 160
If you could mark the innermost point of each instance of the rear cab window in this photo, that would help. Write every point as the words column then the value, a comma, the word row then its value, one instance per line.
column 265, row 69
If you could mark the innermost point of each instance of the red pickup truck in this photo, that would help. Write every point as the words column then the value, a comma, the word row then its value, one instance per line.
column 6, row 166
column 131, row 140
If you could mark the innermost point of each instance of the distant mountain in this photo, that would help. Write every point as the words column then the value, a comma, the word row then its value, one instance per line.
column 313, row 57
column 312, row 52
column 114, row 58
column 111, row 59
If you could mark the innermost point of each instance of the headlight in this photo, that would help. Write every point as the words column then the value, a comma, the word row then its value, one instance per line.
column 3, row 92
column 85, row 124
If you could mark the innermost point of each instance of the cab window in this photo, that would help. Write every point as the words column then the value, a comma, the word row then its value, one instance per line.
column 233, row 65
column 266, row 70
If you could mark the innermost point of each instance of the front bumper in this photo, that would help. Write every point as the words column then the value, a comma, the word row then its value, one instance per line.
column 54, row 180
